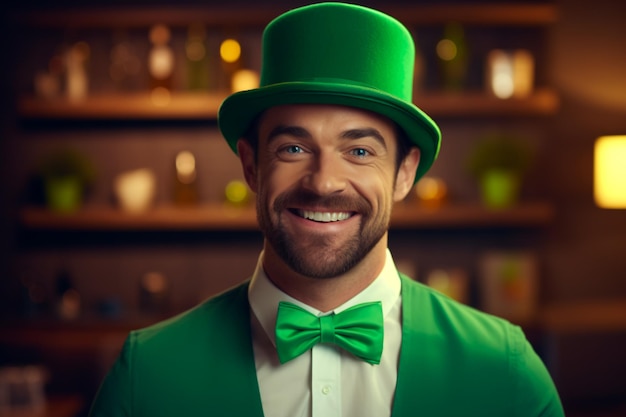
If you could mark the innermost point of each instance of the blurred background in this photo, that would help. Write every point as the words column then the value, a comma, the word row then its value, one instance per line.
column 122, row 205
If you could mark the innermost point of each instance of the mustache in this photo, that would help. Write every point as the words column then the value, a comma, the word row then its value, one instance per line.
column 300, row 197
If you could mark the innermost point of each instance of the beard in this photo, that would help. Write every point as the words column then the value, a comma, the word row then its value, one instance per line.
column 320, row 255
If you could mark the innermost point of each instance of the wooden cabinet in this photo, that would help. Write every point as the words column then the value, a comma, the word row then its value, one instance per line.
column 114, row 105
column 204, row 105
column 134, row 110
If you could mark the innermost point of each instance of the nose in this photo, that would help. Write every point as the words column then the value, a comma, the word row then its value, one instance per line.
column 326, row 175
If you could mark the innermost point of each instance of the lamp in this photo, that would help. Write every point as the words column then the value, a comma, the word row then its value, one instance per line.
column 610, row 172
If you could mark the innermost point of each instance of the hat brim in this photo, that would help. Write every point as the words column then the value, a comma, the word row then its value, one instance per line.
column 239, row 110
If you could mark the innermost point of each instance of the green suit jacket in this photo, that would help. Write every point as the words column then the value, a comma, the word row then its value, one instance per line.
column 454, row 361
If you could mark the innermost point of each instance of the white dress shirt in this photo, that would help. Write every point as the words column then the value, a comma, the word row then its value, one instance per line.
column 325, row 381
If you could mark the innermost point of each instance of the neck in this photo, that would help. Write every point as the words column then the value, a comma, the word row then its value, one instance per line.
column 325, row 294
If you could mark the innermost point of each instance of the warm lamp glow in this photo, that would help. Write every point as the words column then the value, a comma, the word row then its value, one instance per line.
column 446, row 49
column 610, row 172
column 230, row 50
column 431, row 191
column 244, row 79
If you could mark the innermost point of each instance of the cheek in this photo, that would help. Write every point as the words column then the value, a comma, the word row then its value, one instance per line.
column 276, row 178
column 376, row 188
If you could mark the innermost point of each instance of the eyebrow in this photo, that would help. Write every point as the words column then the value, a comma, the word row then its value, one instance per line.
column 300, row 132
column 364, row 133
column 296, row 131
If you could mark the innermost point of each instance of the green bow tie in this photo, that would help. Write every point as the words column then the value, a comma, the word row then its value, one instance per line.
column 358, row 330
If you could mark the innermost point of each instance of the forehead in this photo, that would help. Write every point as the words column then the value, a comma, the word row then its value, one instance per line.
column 319, row 118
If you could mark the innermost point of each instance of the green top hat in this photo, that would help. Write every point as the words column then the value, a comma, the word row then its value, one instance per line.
column 342, row 54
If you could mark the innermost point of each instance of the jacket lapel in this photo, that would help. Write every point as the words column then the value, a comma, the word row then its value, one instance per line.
column 235, row 380
column 414, row 385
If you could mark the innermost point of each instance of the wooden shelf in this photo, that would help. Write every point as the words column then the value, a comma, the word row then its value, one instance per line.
column 189, row 106
column 205, row 217
column 55, row 406
column 412, row 216
column 488, row 14
column 131, row 17
column 543, row 102
column 222, row 217
column 204, row 106
column 77, row 335
column 585, row 317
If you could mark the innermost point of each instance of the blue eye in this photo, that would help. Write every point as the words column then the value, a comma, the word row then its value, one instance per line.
column 293, row 149
column 360, row 152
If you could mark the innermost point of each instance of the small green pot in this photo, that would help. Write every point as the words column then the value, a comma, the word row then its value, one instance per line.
column 64, row 194
column 500, row 188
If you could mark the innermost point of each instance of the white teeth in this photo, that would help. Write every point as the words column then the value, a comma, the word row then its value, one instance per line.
column 324, row 216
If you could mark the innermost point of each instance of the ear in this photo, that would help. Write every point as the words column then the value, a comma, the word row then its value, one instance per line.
column 405, row 177
column 248, row 163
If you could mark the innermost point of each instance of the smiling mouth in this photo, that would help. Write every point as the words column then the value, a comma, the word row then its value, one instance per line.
column 323, row 216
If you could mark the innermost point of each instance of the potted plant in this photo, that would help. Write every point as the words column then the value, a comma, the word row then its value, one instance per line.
column 499, row 162
column 66, row 175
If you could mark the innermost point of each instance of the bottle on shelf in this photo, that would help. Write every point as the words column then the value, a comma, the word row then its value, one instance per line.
column 160, row 64
column 68, row 298
column 76, row 76
column 452, row 52
column 125, row 65
column 197, row 59
column 185, row 185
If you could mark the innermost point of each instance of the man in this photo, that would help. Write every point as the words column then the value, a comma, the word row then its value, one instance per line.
column 327, row 326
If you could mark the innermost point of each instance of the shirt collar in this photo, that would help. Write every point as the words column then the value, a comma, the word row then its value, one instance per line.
column 264, row 296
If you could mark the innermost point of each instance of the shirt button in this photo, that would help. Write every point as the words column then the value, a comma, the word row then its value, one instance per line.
column 326, row 390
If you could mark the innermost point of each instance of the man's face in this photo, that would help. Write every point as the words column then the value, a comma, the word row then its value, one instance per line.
column 326, row 180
